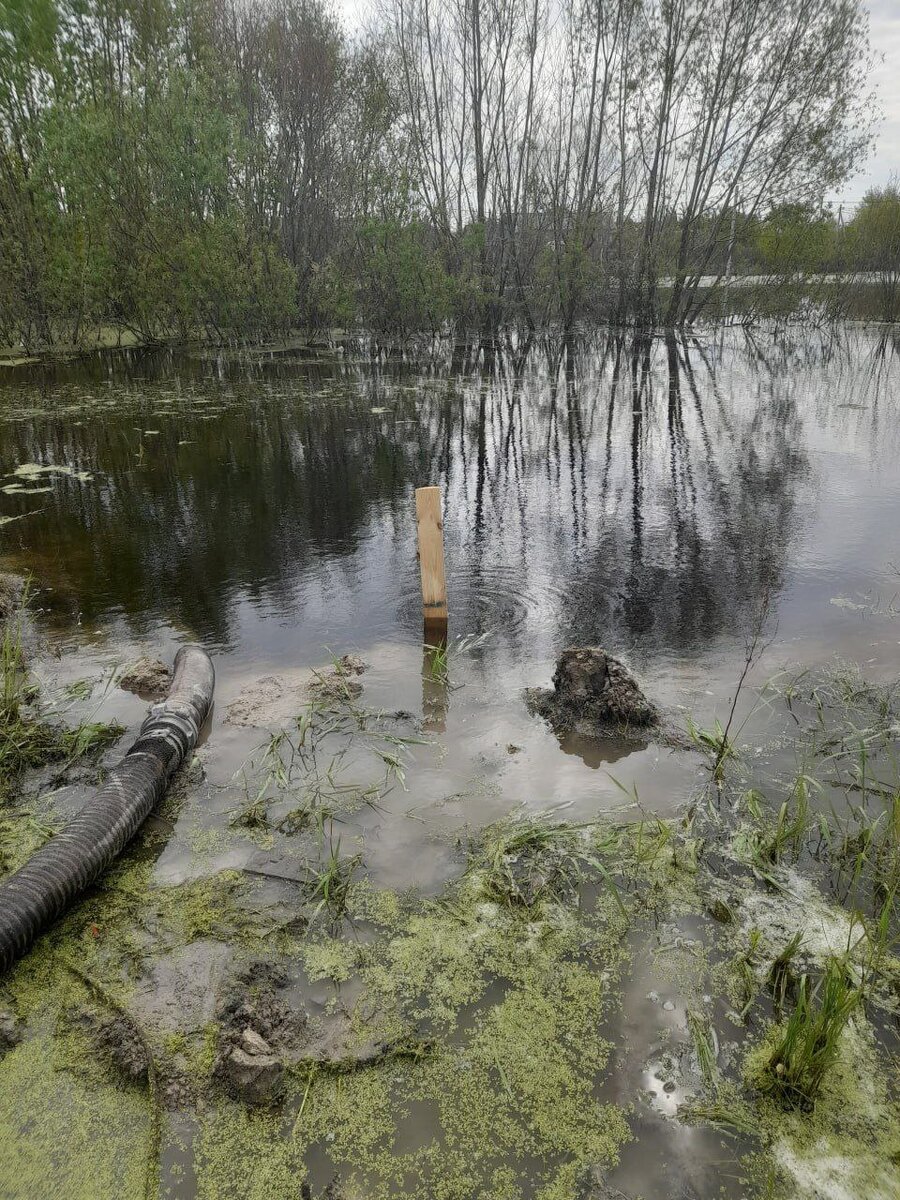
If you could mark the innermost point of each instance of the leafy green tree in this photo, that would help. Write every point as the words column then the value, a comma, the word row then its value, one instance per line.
column 403, row 285
column 875, row 244
column 174, row 167
column 796, row 239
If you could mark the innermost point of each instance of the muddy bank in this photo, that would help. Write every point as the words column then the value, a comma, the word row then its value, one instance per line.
column 290, row 1025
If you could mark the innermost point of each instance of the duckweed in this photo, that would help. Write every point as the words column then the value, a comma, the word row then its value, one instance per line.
column 67, row 1136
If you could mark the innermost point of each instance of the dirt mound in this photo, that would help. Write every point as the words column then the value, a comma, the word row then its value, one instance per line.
column 117, row 1041
column 148, row 678
column 269, row 702
column 275, row 700
column 338, row 683
column 593, row 694
column 262, row 1036
column 258, row 1035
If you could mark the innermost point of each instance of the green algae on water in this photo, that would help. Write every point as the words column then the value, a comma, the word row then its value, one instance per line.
column 63, row 1136
column 506, row 1081
column 243, row 1152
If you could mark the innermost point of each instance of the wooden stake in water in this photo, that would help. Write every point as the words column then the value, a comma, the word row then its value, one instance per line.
column 431, row 556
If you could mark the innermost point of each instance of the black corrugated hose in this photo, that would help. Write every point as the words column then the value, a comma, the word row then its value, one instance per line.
column 60, row 871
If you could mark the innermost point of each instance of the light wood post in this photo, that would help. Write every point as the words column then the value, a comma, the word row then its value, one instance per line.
column 431, row 557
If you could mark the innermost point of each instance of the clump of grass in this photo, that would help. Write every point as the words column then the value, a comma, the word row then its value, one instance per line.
column 438, row 662
column 809, row 1041
column 298, row 820
column 528, row 861
column 880, row 932
column 730, row 1113
column 81, row 689
column 846, row 688
column 86, row 739
column 771, row 836
column 437, row 655
column 27, row 739
column 254, row 815
column 716, row 743
column 782, row 980
column 746, row 984
column 864, row 849
column 331, row 884
column 839, row 698
column 640, row 843
column 524, row 861
column 704, row 1045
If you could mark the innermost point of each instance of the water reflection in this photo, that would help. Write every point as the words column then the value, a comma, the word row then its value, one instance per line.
column 638, row 491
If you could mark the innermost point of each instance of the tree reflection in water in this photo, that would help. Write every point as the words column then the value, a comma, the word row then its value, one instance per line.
column 636, row 490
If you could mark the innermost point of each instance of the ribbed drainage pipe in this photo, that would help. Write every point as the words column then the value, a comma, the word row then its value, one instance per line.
column 33, row 897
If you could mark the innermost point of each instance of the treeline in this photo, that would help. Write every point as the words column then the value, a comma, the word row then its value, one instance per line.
column 843, row 264
column 169, row 167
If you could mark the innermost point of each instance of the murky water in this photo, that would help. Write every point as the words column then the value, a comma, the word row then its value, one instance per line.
column 647, row 496
column 642, row 496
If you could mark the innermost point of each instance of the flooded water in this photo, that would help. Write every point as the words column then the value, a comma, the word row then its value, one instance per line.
column 643, row 496
column 650, row 496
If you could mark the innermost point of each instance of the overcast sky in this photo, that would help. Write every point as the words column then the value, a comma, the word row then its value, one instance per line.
column 885, row 32
column 885, row 35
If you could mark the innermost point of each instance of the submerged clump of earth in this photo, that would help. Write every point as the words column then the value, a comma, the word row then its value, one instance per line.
column 410, row 925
